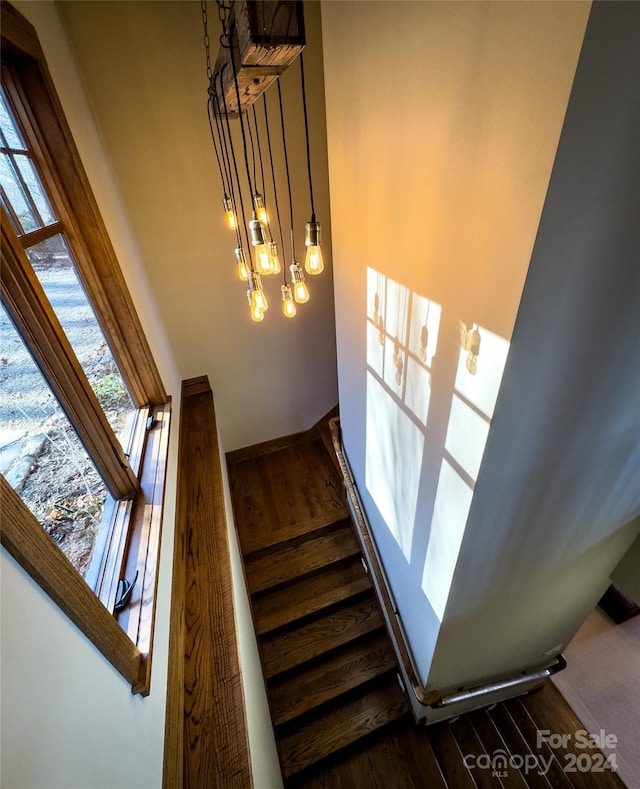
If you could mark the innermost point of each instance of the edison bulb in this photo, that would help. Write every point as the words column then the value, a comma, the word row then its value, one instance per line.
column 259, row 300
column 288, row 306
column 257, row 315
column 275, row 260
column 263, row 259
column 259, row 208
column 301, row 292
column 314, row 264
column 243, row 271
column 229, row 216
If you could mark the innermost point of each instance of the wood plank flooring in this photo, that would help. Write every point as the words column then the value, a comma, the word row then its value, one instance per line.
column 340, row 717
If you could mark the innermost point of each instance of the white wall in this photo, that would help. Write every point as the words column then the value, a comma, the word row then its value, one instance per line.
column 443, row 123
column 69, row 720
column 265, row 764
column 559, row 485
column 143, row 66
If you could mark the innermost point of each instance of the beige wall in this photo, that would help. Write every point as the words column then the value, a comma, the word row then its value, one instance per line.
column 143, row 66
column 443, row 124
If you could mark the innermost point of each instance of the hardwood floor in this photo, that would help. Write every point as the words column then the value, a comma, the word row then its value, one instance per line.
column 340, row 716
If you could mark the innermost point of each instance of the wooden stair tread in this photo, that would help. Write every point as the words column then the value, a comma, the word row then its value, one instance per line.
column 310, row 686
column 309, row 595
column 273, row 534
column 341, row 726
column 285, row 493
column 288, row 650
column 264, row 572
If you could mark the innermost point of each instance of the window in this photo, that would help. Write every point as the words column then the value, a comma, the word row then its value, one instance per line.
column 79, row 390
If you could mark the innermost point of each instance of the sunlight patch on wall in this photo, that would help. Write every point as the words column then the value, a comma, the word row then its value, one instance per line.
column 481, row 363
column 466, row 436
column 394, row 452
column 453, row 501
column 402, row 337
column 481, row 388
column 403, row 331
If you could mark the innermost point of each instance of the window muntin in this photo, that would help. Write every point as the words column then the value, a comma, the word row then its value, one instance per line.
column 11, row 137
column 23, row 195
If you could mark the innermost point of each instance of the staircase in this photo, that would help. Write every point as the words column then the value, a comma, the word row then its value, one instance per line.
column 339, row 716
column 327, row 660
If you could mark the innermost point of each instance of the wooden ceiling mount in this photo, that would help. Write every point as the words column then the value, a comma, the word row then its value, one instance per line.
column 267, row 36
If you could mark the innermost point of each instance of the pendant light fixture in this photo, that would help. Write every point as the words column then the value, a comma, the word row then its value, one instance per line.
column 256, row 251
column 300, row 291
column 259, row 199
column 288, row 305
column 313, row 264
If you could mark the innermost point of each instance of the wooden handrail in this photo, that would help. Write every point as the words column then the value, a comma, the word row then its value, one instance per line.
column 206, row 741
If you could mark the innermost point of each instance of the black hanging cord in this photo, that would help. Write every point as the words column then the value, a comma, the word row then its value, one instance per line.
column 235, row 167
column 286, row 165
column 220, row 132
column 306, row 132
column 244, row 136
column 263, row 184
column 225, row 42
column 207, row 49
column 273, row 179
column 255, row 123
column 226, row 158
column 215, row 147
column 253, row 154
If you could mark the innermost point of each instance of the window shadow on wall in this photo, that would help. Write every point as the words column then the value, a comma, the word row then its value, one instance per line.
column 431, row 386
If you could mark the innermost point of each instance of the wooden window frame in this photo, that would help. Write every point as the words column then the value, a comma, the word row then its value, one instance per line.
column 133, row 523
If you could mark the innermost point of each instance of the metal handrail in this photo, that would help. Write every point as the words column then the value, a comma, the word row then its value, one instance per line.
column 507, row 684
column 428, row 698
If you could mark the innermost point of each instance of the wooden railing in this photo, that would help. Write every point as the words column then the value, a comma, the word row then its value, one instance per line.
column 206, row 741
